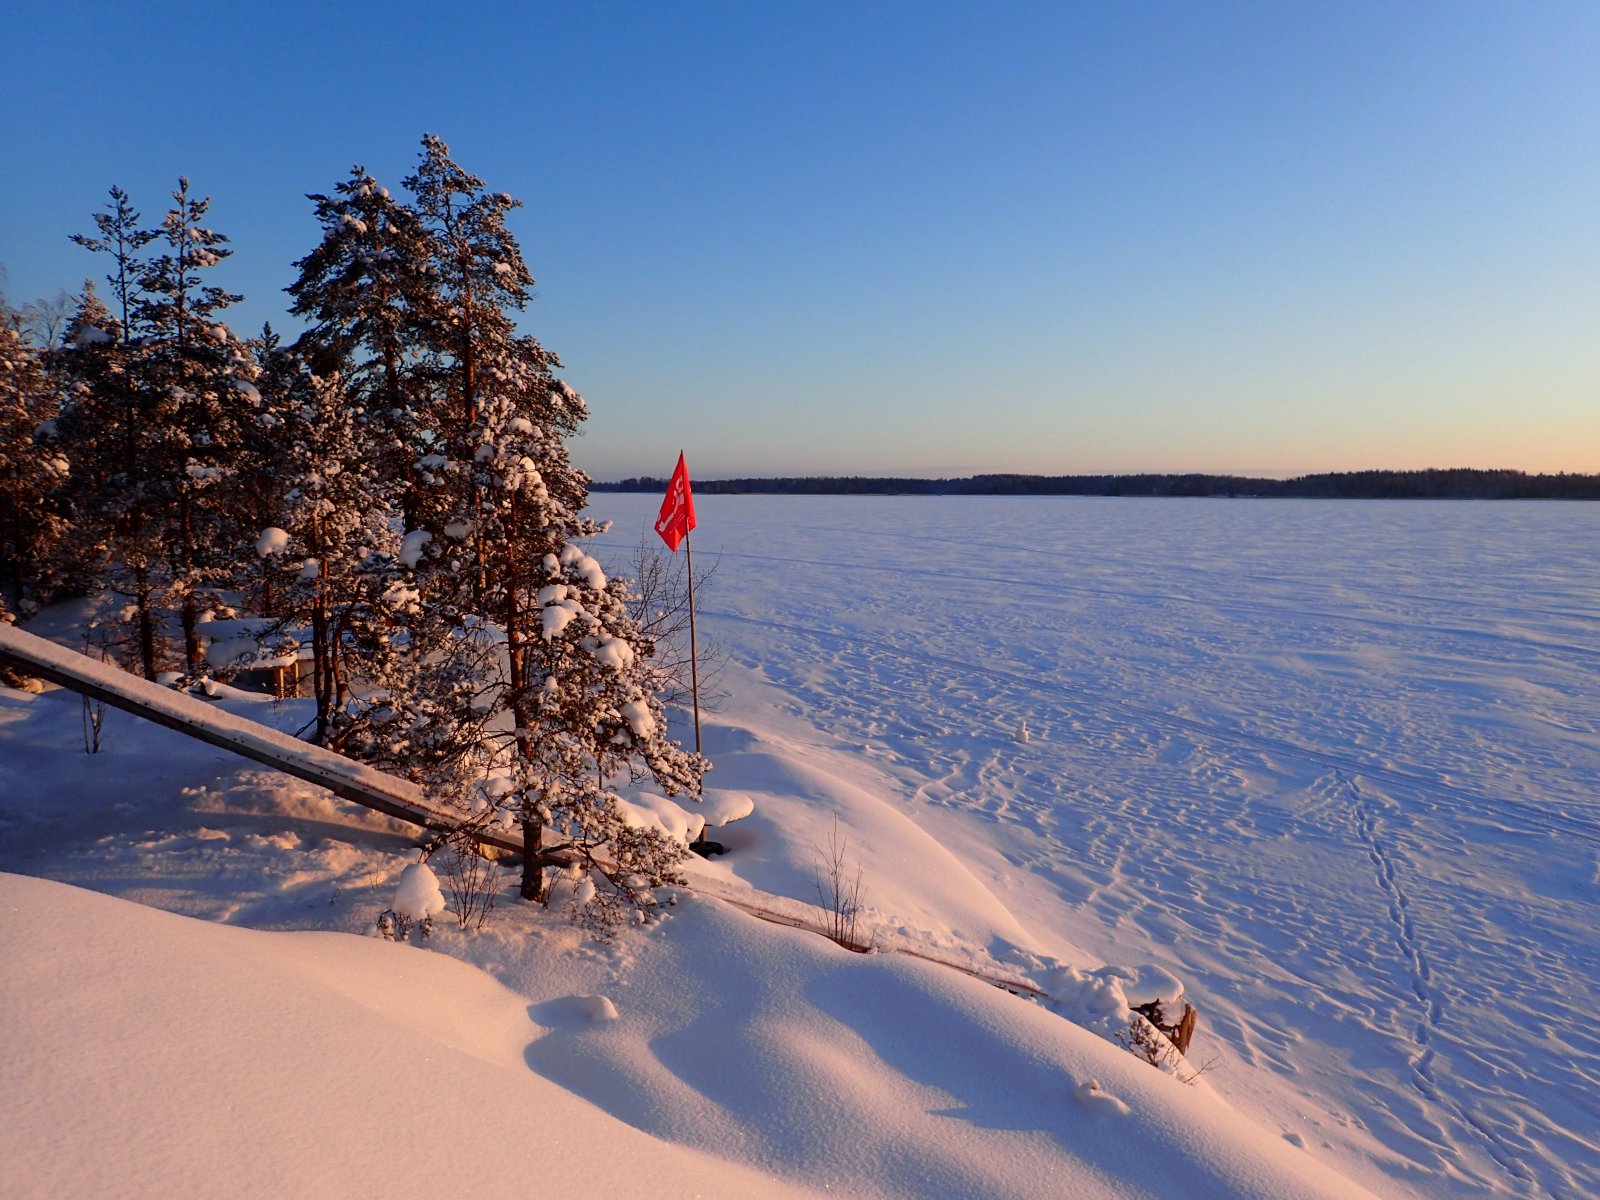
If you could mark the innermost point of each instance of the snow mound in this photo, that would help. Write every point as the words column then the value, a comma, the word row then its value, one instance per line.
column 1092, row 1097
column 598, row 1008
column 229, row 1062
column 272, row 541
column 647, row 810
column 417, row 896
column 720, row 807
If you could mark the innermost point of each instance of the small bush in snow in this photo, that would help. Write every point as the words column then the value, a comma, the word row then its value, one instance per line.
column 840, row 893
column 471, row 878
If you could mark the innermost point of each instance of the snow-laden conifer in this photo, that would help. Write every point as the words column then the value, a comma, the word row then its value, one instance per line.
column 331, row 563
column 121, row 236
column 111, row 441
column 520, row 676
column 368, row 291
column 156, row 419
column 111, row 437
column 582, row 689
column 32, row 468
column 191, row 367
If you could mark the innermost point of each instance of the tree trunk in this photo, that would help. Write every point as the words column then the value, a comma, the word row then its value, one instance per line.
column 532, row 860
column 191, row 633
column 147, row 626
column 321, row 667
column 189, row 614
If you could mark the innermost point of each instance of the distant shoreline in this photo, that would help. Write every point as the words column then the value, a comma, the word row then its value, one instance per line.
column 1452, row 484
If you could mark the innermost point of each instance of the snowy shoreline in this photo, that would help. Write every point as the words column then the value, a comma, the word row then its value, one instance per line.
column 1344, row 792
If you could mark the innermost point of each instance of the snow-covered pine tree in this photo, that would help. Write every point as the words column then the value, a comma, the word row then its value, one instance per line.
column 480, row 283
column 196, row 374
column 32, row 469
column 336, row 557
column 541, row 670
column 123, row 238
column 370, row 297
column 110, row 436
column 581, row 687
column 587, row 715
column 110, row 441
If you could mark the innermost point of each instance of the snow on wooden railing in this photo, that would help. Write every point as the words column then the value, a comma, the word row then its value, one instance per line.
column 201, row 719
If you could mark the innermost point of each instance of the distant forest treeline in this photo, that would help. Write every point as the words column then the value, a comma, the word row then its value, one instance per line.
column 1456, row 484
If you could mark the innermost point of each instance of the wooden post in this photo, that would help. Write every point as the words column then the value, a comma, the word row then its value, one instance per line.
column 694, row 654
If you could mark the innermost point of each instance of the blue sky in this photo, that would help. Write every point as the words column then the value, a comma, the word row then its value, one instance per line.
column 915, row 238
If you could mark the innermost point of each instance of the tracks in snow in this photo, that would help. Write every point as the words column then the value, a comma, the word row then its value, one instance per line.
column 1424, row 1073
column 1525, row 815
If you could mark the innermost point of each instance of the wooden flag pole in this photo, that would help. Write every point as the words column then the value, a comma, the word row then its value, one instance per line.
column 694, row 654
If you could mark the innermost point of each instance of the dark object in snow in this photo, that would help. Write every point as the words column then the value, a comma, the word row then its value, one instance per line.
column 1178, row 1033
column 719, row 808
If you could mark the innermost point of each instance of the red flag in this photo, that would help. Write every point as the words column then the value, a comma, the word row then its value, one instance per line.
column 677, row 508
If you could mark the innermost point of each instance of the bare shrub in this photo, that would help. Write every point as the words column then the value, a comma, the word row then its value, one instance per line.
column 471, row 877
column 1178, row 1032
column 660, row 608
column 840, row 893
column 394, row 926
column 94, row 710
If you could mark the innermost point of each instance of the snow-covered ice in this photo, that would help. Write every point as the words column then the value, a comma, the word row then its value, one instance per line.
column 1334, row 765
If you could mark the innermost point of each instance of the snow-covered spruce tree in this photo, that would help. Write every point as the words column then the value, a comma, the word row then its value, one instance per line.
column 534, row 657
column 369, row 294
column 196, row 374
column 32, row 469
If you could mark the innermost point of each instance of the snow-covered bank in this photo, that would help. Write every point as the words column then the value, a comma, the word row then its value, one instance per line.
column 1336, row 767
column 166, row 1055
column 150, row 1054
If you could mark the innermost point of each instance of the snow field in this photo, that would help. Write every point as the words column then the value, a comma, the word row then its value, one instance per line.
column 724, row 1057
column 1334, row 765
column 1331, row 766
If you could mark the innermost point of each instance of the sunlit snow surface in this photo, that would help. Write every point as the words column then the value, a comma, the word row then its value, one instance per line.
column 1334, row 764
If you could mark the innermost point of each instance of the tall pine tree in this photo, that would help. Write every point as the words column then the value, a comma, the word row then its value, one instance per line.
column 532, row 657
column 370, row 298
column 156, row 417
column 196, row 374
column 32, row 469
column 110, row 435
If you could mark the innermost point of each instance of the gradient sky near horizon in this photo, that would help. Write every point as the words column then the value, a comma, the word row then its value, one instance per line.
column 927, row 239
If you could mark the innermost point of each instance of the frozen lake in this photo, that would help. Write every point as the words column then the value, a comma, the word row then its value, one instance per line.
column 1336, row 764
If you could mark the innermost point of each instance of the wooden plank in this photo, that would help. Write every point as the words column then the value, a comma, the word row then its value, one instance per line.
column 151, row 701
column 383, row 793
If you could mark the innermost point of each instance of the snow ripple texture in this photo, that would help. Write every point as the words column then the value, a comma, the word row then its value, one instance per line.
column 1336, row 765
